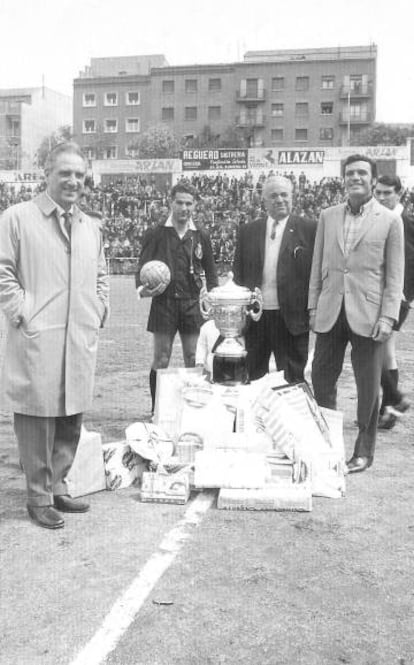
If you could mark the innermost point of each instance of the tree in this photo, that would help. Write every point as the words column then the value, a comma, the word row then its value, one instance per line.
column 382, row 133
column 157, row 142
column 64, row 133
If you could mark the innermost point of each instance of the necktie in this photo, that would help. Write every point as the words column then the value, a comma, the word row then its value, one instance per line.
column 273, row 233
column 67, row 220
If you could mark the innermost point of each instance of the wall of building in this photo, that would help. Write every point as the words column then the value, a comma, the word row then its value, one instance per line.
column 48, row 111
column 184, row 98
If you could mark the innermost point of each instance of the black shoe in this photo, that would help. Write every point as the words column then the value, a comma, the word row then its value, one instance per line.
column 358, row 464
column 66, row 504
column 46, row 516
column 387, row 420
column 399, row 409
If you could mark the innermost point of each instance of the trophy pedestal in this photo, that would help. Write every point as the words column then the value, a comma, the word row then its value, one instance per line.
column 229, row 363
column 230, row 370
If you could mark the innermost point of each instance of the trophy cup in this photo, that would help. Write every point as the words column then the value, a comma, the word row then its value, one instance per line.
column 229, row 305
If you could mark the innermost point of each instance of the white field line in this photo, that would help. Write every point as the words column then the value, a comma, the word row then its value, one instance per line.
column 126, row 608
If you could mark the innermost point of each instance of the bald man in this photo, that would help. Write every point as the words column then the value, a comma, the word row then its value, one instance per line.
column 275, row 254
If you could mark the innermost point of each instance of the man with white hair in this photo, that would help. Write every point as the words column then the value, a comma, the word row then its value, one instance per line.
column 275, row 254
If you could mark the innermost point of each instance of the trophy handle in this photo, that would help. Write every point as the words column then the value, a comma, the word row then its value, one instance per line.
column 256, row 299
column 205, row 305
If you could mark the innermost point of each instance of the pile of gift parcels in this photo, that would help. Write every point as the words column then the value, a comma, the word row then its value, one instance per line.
column 265, row 446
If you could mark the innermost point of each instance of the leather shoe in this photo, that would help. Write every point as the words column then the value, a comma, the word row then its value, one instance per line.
column 46, row 516
column 358, row 464
column 387, row 420
column 66, row 504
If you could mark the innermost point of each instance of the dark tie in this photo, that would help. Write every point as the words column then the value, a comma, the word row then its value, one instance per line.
column 273, row 233
column 67, row 220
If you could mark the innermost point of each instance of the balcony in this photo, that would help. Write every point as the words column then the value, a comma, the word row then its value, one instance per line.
column 356, row 90
column 251, row 95
column 363, row 118
column 251, row 121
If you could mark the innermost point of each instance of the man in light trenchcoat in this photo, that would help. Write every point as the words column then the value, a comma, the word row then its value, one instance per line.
column 54, row 294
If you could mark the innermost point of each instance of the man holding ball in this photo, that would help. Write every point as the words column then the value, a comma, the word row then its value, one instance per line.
column 186, row 251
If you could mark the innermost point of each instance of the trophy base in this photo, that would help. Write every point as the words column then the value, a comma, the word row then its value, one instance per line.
column 230, row 370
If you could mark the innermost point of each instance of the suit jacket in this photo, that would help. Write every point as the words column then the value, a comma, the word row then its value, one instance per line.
column 292, row 271
column 408, row 221
column 369, row 281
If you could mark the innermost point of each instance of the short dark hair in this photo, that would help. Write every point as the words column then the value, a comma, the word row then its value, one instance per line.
column 61, row 148
column 390, row 181
column 360, row 158
column 184, row 187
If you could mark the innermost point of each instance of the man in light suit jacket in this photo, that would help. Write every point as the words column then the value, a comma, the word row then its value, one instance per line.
column 275, row 254
column 354, row 296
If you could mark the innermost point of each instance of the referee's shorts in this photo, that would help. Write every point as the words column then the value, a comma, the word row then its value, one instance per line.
column 171, row 315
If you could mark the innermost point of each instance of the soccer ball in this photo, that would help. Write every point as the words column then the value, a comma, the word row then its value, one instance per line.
column 155, row 273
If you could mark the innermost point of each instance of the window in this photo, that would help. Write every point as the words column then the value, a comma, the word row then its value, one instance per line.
column 278, row 82
column 214, row 85
column 132, row 98
column 302, row 109
column 110, row 125
column 276, row 135
column 302, row 83
column 355, row 83
column 15, row 129
column 168, row 87
column 277, row 110
column 89, row 99
column 90, row 153
column 132, row 151
column 111, row 99
column 326, row 133
column 89, row 127
column 327, row 82
column 301, row 134
column 326, row 108
column 214, row 112
column 190, row 113
column 167, row 113
column 110, row 152
column 355, row 110
column 191, row 85
column 132, row 125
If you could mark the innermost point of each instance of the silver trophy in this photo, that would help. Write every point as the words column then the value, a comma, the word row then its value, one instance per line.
column 230, row 305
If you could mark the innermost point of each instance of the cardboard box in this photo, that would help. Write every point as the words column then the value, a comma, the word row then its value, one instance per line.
column 282, row 496
column 166, row 487
column 229, row 468
column 87, row 474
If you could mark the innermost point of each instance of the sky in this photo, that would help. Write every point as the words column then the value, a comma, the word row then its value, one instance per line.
column 56, row 39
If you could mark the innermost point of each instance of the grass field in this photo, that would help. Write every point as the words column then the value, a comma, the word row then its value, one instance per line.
column 329, row 587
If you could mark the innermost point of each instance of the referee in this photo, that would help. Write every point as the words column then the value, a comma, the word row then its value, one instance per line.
column 187, row 252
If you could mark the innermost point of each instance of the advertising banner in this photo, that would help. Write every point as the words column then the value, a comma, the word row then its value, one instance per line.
column 210, row 160
column 131, row 166
column 271, row 158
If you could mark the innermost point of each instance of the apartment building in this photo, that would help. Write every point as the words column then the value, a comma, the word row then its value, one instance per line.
column 27, row 116
column 305, row 97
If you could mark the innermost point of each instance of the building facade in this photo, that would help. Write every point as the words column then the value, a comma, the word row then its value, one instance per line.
column 27, row 116
column 306, row 97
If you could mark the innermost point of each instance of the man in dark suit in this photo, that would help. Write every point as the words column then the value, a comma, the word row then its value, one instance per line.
column 275, row 254
column 354, row 297
column 388, row 190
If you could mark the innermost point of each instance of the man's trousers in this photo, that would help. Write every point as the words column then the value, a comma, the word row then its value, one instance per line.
column 47, row 449
column 366, row 358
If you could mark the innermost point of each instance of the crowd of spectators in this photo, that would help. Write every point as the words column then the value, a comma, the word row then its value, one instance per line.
column 129, row 206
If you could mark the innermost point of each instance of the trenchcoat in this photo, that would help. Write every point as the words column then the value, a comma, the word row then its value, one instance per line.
column 54, row 294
